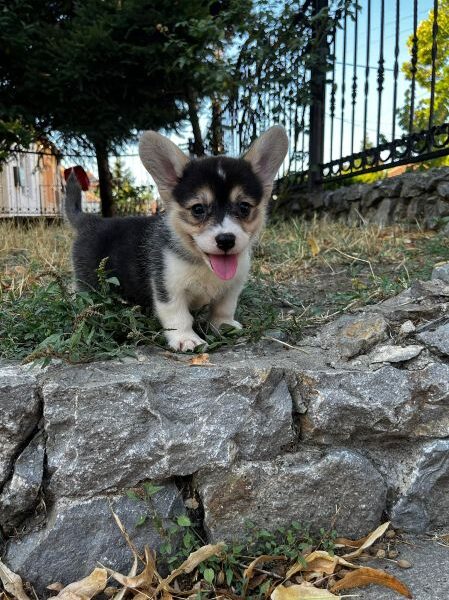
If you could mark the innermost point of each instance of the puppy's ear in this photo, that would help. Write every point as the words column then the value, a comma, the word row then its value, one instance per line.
column 267, row 153
column 163, row 160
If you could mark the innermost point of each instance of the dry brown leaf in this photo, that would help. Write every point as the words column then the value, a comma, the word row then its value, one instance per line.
column 125, row 534
column 313, row 245
column 132, row 572
column 199, row 360
column 86, row 588
column 366, row 575
column 192, row 561
column 304, row 591
column 375, row 535
column 342, row 542
column 55, row 587
column 319, row 561
column 248, row 572
column 142, row 581
column 12, row 583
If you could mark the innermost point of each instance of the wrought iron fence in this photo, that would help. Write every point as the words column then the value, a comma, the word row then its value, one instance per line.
column 375, row 101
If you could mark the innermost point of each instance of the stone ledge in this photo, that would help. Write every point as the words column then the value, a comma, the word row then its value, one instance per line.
column 351, row 424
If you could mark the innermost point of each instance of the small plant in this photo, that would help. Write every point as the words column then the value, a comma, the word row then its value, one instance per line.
column 52, row 321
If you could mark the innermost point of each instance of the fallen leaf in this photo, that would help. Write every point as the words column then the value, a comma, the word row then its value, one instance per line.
column 199, row 360
column 318, row 561
column 86, row 588
column 132, row 572
column 142, row 581
column 367, row 575
column 342, row 542
column 12, row 583
column 313, row 245
column 304, row 591
column 192, row 561
column 125, row 534
column 248, row 572
column 375, row 535
column 55, row 587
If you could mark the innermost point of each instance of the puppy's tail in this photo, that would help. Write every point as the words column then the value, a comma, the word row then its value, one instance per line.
column 72, row 205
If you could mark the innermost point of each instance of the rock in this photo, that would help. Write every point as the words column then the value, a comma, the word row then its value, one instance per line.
column 81, row 534
column 354, row 192
column 441, row 271
column 389, row 403
column 19, row 415
column 437, row 339
column 413, row 185
column 108, row 425
column 19, row 495
column 353, row 335
column 394, row 354
column 384, row 211
column 406, row 328
column 339, row 489
column 443, row 189
column 356, row 405
column 425, row 504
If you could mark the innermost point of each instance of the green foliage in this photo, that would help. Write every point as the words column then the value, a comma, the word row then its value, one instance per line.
column 51, row 321
column 424, row 71
column 129, row 198
column 288, row 543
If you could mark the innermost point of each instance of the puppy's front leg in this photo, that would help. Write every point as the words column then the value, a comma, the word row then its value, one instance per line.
column 223, row 309
column 177, row 321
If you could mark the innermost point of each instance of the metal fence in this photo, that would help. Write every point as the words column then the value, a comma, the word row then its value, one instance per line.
column 375, row 102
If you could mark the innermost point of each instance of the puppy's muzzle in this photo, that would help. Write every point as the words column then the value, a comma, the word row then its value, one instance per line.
column 225, row 241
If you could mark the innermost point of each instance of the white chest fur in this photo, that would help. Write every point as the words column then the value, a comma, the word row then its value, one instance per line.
column 197, row 282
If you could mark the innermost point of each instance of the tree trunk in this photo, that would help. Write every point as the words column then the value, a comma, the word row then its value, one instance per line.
column 104, row 178
column 216, row 126
column 198, row 145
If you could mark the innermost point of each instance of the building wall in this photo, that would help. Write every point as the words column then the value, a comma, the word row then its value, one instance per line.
column 30, row 184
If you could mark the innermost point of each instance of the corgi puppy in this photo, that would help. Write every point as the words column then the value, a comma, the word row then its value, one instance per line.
column 195, row 253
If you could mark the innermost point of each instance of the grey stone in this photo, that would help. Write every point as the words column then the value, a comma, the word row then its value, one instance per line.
column 19, row 415
column 356, row 405
column 443, row 189
column 354, row 192
column 349, row 335
column 81, row 534
column 394, row 354
column 424, row 299
column 427, row 578
column 441, row 272
column 109, row 425
column 406, row 328
column 339, row 489
column 384, row 211
column 386, row 404
column 425, row 504
column 19, row 495
column 413, row 185
column 437, row 339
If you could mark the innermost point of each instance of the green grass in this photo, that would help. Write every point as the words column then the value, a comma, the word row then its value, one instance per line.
column 303, row 275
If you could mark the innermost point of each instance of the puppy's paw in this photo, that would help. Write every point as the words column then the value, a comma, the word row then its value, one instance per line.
column 184, row 342
column 217, row 323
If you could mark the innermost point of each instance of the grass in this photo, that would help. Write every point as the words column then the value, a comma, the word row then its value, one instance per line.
column 303, row 274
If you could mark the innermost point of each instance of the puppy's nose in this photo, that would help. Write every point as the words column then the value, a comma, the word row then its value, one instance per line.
column 225, row 241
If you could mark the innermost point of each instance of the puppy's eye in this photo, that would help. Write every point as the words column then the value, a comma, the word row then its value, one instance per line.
column 244, row 209
column 198, row 211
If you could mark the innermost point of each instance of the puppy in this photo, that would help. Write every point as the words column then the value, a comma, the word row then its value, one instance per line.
column 196, row 252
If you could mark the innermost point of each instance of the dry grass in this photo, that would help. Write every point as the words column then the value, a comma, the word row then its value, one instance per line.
column 30, row 249
column 288, row 252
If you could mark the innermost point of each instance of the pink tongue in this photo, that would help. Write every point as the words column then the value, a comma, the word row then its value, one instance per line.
column 224, row 265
